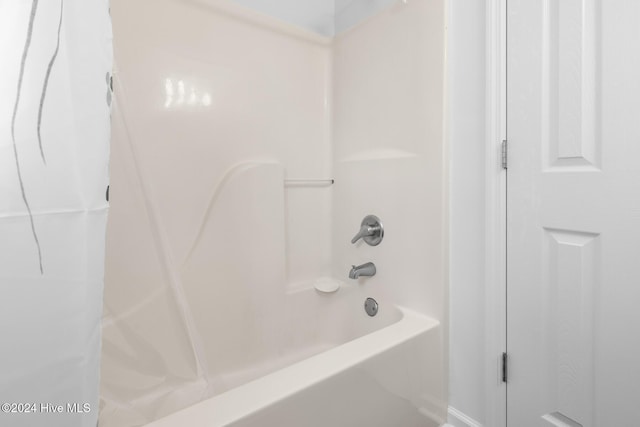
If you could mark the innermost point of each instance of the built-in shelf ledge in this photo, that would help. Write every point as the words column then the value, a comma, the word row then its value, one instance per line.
column 308, row 182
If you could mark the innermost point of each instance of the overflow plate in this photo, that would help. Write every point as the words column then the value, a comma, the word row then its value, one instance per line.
column 371, row 307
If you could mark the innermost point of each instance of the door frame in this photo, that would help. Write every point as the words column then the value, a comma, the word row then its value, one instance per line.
column 496, row 213
column 486, row 401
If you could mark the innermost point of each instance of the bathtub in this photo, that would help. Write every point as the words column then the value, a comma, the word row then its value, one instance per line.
column 385, row 373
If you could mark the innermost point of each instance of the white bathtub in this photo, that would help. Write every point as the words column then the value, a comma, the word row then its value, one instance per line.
column 386, row 377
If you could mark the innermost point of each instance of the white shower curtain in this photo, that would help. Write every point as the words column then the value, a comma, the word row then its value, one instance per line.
column 55, row 96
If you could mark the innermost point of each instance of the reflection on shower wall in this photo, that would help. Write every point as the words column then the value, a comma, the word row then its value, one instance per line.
column 213, row 112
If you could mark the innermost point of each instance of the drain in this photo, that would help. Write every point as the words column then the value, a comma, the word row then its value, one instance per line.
column 371, row 307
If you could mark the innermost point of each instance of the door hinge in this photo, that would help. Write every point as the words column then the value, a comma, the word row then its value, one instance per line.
column 504, row 153
column 504, row 367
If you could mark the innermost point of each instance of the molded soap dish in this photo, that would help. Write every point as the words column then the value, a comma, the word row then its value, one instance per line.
column 327, row 285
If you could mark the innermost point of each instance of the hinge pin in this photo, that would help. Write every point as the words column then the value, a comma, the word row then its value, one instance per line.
column 504, row 367
column 504, row 154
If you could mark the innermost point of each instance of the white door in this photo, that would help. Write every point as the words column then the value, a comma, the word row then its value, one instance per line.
column 573, row 278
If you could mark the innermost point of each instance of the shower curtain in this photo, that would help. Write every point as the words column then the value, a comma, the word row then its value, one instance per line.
column 55, row 97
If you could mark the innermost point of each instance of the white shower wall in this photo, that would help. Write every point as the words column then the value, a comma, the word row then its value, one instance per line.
column 390, row 160
column 389, row 155
column 211, row 117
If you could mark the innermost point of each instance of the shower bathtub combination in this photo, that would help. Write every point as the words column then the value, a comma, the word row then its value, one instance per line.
column 245, row 153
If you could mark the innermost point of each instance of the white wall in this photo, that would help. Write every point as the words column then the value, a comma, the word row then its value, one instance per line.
column 349, row 13
column 54, row 154
column 326, row 17
column 315, row 15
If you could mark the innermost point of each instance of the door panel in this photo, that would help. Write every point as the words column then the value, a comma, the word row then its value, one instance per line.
column 573, row 121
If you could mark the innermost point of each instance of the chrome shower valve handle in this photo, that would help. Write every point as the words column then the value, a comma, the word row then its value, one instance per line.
column 365, row 231
column 371, row 231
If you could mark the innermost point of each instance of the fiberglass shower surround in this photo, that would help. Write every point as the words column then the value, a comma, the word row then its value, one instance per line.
column 229, row 127
column 54, row 149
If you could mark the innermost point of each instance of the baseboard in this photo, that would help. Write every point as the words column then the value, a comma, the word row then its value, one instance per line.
column 459, row 419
